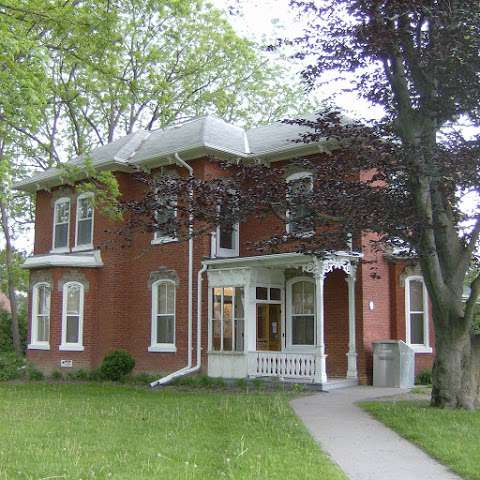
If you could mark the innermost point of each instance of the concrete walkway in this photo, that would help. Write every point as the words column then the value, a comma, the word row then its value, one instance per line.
column 364, row 448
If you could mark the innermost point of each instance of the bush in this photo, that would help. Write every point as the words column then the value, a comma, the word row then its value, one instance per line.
column 11, row 366
column 33, row 374
column 80, row 374
column 56, row 375
column 143, row 378
column 6, row 344
column 116, row 365
column 424, row 378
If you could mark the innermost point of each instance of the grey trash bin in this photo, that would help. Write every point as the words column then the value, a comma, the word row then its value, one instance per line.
column 393, row 364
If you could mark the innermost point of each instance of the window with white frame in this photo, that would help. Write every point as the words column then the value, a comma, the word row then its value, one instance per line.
column 40, row 331
column 61, row 224
column 299, row 220
column 163, row 316
column 416, row 309
column 84, row 224
column 72, row 316
column 165, row 217
column 228, row 319
column 301, row 306
column 227, row 239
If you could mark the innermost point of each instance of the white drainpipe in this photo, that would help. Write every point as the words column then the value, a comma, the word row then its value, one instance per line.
column 189, row 369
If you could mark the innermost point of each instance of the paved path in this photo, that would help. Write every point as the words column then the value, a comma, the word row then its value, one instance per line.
column 363, row 447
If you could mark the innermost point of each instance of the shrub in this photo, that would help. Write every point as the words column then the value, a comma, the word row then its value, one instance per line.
column 205, row 381
column 218, row 382
column 257, row 383
column 95, row 375
column 56, row 375
column 6, row 344
column 79, row 374
column 34, row 374
column 116, row 365
column 241, row 383
column 424, row 378
column 143, row 378
column 11, row 366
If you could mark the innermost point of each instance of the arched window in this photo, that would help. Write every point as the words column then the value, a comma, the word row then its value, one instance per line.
column 84, row 221
column 163, row 317
column 72, row 316
column 61, row 224
column 298, row 213
column 40, row 327
column 301, row 311
column 416, row 313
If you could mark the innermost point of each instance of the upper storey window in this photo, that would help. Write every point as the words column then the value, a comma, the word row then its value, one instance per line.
column 61, row 224
column 84, row 227
column 165, row 217
column 226, row 238
column 299, row 220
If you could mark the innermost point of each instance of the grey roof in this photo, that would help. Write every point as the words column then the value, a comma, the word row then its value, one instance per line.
column 201, row 136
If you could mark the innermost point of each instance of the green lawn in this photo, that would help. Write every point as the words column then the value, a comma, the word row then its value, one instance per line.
column 451, row 436
column 86, row 431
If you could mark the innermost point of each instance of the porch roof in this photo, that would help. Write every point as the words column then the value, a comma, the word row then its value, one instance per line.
column 290, row 259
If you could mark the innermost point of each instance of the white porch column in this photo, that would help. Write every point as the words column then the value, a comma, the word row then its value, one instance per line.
column 320, row 357
column 352, row 350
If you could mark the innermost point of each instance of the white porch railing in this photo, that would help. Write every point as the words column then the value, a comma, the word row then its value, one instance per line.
column 281, row 364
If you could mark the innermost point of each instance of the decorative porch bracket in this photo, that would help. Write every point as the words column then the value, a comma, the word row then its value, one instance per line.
column 320, row 268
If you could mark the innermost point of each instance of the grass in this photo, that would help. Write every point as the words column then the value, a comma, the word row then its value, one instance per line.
column 88, row 431
column 450, row 436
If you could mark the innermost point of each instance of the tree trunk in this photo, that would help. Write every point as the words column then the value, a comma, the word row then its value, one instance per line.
column 11, row 281
column 456, row 369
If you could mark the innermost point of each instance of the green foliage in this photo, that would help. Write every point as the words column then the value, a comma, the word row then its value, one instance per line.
column 424, row 378
column 80, row 375
column 143, row 378
column 6, row 344
column 257, row 383
column 241, row 383
column 11, row 366
column 56, row 375
column 116, row 365
column 298, row 388
column 33, row 374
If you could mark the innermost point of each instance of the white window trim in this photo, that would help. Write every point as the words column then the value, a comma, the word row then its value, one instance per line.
column 419, row 348
column 290, row 178
column 289, row 323
column 162, row 347
column 87, row 246
column 227, row 252
column 161, row 239
column 77, row 346
column 34, row 343
column 210, row 321
column 58, row 202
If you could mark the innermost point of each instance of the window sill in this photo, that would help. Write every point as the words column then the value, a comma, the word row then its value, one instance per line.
column 38, row 346
column 230, row 353
column 421, row 348
column 162, row 348
column 60, row 250
column 82, row 248
column 71, row 348
column 161, row 241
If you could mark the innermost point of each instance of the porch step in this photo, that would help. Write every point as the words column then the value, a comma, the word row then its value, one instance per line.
column 332, row 383
column 336, row 383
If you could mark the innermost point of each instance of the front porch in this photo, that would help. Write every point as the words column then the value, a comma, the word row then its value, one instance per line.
column 267, row 318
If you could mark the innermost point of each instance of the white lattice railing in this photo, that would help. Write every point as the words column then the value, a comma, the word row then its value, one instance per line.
column 280, row 364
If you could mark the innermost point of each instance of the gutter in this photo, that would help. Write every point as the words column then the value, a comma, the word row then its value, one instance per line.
column 189, row 369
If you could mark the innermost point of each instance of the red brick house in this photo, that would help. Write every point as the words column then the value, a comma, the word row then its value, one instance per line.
column 209, row 303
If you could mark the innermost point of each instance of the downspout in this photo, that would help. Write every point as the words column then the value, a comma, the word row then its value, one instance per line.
column 188, row 369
